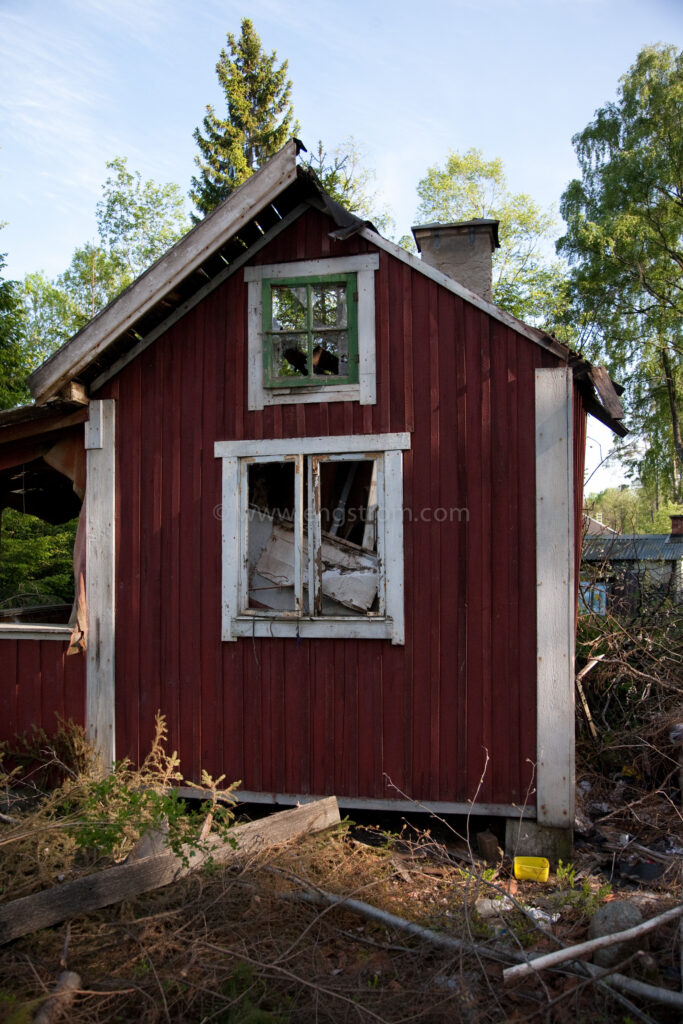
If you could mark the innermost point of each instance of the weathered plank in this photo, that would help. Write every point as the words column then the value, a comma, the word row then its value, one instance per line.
column 125, row 881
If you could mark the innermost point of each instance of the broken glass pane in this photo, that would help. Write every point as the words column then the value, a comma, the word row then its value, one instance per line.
column 348, row 515
column 329, row 305
column 290, row 355
column 270, row 536
column 331, row 354
column 289, row 307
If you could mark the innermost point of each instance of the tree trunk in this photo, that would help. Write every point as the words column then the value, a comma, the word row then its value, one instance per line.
column 675, row 422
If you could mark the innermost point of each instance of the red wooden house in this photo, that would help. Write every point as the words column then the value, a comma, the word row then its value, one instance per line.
column 331, row 518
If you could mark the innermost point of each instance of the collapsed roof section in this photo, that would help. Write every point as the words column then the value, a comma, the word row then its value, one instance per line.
column 226, row 239
column 42, row 460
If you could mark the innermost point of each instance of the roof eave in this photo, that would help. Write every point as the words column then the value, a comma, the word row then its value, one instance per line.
column 148, row 289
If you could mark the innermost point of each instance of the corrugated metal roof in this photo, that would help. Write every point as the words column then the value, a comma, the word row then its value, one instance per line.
column 652, row 547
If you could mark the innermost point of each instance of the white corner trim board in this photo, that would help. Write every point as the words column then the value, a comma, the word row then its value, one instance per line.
column 100, row 511
column 365, row 391
column 555, row 597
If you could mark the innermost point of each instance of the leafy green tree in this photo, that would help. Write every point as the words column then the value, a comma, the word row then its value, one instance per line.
column 37, row 560
column 13, row 390
column 137, row 222
column 632, row 510
column 525, row 283
column 50, row 318
column 258, row 121
column 624, row 240
column 344, row 176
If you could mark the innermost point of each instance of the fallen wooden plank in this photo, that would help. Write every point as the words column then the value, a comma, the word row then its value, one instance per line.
column 125, row 881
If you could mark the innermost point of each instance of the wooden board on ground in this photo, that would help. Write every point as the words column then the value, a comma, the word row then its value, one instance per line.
column 126, row 881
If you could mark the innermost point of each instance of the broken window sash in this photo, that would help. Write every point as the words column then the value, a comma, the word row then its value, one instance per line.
column 310, row 331
column 346, row 576
column 272, row 490
column 313, row 556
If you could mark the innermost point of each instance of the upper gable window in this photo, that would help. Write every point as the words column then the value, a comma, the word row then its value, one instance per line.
column 312, row 331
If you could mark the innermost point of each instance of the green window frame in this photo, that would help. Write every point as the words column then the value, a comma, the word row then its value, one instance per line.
column 309, row 338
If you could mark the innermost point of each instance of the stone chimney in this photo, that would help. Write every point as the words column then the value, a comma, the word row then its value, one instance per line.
column 463, row 251
column 677, row 527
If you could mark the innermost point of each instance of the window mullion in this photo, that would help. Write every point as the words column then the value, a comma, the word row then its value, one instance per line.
column 298, row 533
column 310, row 524
column 380, row 516
column 244, row 536
column 315, row 556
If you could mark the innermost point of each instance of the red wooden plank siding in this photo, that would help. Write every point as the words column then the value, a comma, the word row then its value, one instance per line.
column 580, row 428
column 38, row 682
column 517, row 616
column 129, row 483
column 9, row 685
column 502, row 541
column 418, row 594
column 333, row 715
column 525, row 693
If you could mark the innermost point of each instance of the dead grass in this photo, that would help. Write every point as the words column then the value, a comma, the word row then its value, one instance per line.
column 239, row 945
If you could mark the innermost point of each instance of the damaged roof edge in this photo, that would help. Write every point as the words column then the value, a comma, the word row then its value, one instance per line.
column 187, row 254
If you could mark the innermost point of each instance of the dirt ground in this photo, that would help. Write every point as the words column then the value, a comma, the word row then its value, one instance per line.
column 248, row 944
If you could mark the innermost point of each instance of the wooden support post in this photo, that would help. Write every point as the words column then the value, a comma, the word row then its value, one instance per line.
column 555, row 598
column 100, row 505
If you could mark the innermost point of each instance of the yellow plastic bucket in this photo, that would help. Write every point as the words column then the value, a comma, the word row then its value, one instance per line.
column 532, row 869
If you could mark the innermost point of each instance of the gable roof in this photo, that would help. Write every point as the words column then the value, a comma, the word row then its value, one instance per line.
column 271, row 199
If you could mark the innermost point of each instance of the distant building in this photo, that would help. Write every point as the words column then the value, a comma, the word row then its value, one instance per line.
column 622, row 571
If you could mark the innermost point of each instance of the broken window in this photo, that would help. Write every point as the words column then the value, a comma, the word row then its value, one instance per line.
column 311, row 536
column 310, row 331
column 318, row 536
column 311, row 334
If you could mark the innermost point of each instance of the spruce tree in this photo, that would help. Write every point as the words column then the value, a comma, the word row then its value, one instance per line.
column 258, row 121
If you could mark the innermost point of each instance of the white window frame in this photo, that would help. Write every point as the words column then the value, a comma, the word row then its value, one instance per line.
column 365, row 390
column 389, row 622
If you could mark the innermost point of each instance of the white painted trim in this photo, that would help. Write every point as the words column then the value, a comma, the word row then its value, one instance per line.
column 256, row 398
column 314, row 268
column 189, row 253
column 34, row 631
column 235, row 621
column 367, row 362
column 555, row 597
column 350, row 628
column 393, row 543
column 336, row 445
column 365, row 391
column 100, row 510
column 532, row 333
column 250, row 796
column 232, row 544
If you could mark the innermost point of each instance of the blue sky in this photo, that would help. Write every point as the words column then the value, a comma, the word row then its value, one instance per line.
column 82, row 81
